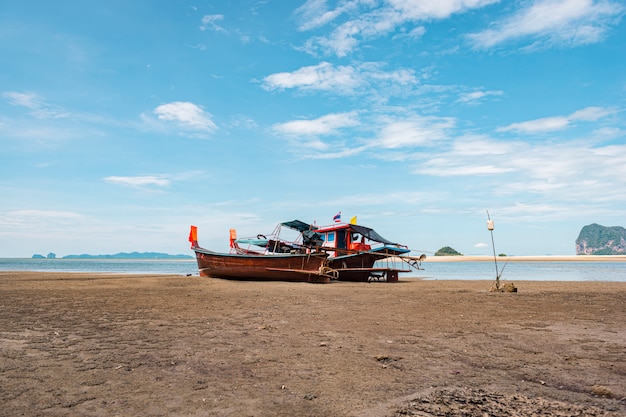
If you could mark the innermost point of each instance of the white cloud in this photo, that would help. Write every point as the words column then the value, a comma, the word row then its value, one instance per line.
column 38, row 107
column 328, row 151
column 199, row 46
column 415, row 131
column 44, row 214
column 209, row 22
column 553, row 22
column 30, row 221
column 570, row 172
column 186, row 115
column 476, row 146
column 303, row 136
column 369, row 19
column 545, row 124
column 535, row 210
column 591, row 114
column 46, row 135
column 323, row 76
column 476, row 97
column 372, row 71
column 395, row 133
column 339, row 79
column 414, row 34
column 417, row 32
column 608, row 133
column 324, row 125
column 315, row 13
column 139, row 181
column 442, row 9
column 472, row 155
column 548, row 124
column 29, row 100
column 442, row 167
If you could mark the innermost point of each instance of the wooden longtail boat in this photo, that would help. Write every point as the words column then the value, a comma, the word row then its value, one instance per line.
column 342, row 251
column 253, row 266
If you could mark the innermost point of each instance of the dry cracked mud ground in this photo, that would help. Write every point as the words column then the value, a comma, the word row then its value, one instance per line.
column 161, row 345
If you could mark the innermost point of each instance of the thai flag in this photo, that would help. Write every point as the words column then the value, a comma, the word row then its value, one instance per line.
column 337, row 217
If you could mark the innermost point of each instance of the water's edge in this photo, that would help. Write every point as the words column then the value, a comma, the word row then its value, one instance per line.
column 441, row 270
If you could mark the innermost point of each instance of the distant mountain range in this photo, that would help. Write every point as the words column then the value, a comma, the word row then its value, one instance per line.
column 595, row 239
column 121, row 255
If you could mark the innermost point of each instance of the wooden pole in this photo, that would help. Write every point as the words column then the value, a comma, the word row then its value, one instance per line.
column 490, row 227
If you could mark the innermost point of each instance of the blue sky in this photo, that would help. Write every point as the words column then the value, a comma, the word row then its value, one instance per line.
column 124, row 122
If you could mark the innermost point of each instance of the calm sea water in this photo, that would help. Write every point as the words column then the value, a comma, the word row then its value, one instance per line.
column 118, row 266
column 527, row 271
column 513, row 271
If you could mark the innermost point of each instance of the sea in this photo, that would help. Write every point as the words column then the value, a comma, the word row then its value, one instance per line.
column 470, row 270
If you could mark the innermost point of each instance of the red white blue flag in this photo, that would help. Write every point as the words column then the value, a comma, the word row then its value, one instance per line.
column 337, row 217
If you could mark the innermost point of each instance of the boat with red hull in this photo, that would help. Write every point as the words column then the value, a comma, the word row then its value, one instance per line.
column 255, row 266
column 342, row 251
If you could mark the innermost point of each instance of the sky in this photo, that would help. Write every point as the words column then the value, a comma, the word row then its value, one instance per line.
column 122, row 122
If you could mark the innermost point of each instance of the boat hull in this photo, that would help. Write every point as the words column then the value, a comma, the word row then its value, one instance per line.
column 279, row 267
column 361, row 267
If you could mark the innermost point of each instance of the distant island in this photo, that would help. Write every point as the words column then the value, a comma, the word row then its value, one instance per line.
column 595, row 239
column 448, row 251
column 121, row 255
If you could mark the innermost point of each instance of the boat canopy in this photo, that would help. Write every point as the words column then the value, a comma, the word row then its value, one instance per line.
column 298, row 225
column 371, row 234
column 257, row 242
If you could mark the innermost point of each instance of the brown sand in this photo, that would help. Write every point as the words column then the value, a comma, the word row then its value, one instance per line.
column 150, row 345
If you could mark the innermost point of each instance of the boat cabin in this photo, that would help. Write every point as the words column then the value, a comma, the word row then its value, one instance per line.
column 351, row 238
column 343, row 237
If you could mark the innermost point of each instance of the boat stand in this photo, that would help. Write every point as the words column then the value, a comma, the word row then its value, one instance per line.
column 385, row 274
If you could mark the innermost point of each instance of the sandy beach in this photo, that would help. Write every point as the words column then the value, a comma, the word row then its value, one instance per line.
column 162, row 345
